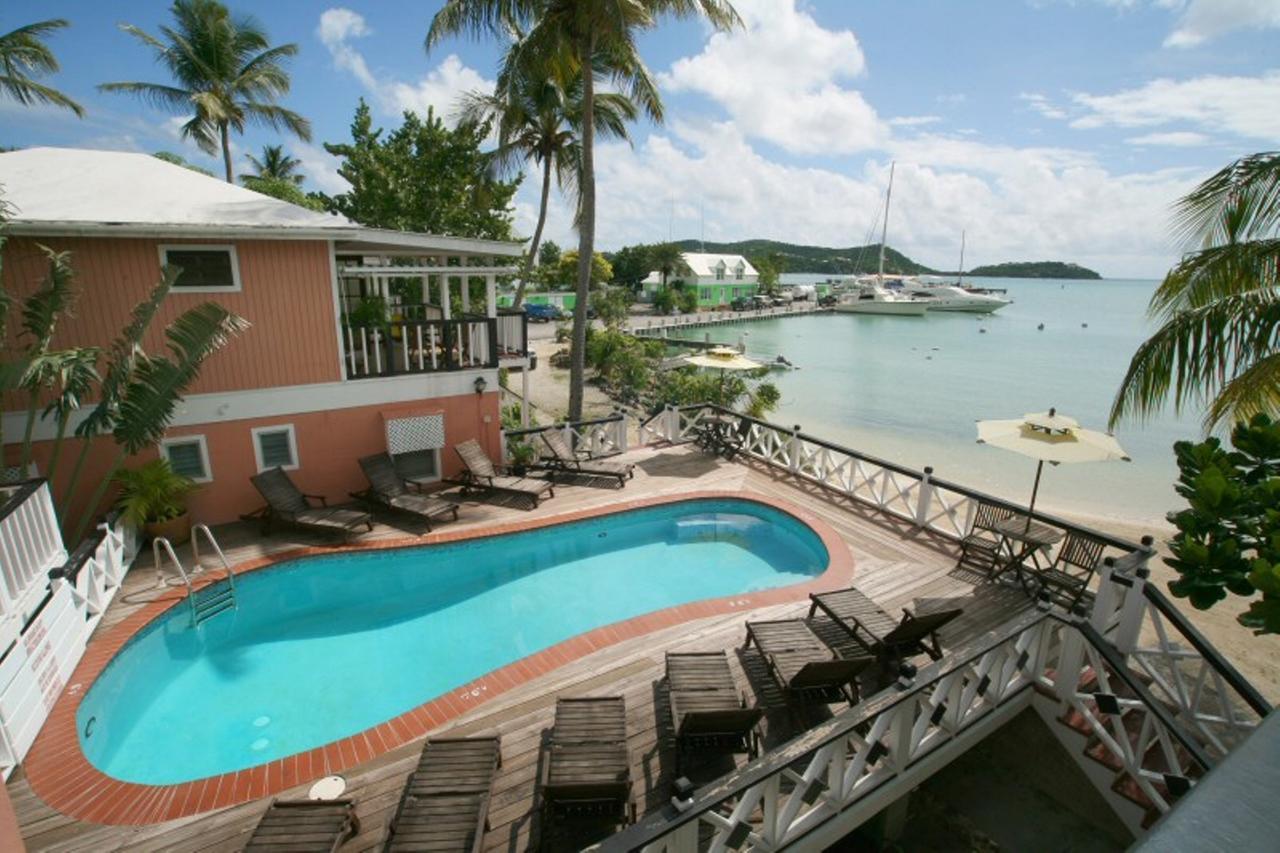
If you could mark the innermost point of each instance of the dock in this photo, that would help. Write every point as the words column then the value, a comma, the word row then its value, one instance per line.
column 663, row 326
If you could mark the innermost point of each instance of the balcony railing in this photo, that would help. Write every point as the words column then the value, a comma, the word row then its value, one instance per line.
column 30, row 546
column 402, row 347
column 513, row 333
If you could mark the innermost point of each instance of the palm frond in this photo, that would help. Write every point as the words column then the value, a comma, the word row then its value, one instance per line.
column 1218, row 271
column 23, row 53
column 154, row 94
column 1249, row 188
column 42, row 309
column 1253, row 391
column 278, row 118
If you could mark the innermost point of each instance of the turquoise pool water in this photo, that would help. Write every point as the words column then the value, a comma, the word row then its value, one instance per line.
column 323, row 647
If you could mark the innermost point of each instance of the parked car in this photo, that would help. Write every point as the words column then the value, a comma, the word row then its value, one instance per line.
column 542, row 312
column 742, row 303
column 761, row 301
column 828, row 300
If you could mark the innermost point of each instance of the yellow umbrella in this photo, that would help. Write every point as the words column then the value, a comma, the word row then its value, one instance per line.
column 1050, row 437
column 723, row 358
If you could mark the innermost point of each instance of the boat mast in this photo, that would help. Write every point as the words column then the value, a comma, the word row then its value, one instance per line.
column 960, row 274
column 884, row 230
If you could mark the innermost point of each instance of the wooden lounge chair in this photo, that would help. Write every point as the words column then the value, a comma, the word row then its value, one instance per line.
column 1067, row 579
column 588, row 768
column 292, row 825
column 286, row 503
column 389, row 491
column 883, row 637
column 708, row 712
column 445, row 804
column 804, row 666
column 563, row 458
column 980, row 549
column 481, row 473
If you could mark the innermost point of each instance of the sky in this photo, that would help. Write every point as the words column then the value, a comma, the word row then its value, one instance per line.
column 1041, row 129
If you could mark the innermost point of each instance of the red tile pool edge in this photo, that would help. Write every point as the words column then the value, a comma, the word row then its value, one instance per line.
column 60, row 774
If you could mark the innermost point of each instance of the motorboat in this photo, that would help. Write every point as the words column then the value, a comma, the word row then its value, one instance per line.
column 941, row 296
column 875, row 299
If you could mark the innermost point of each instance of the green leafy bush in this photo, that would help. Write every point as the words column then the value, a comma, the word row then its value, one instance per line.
column 152, row 492
column 1228, row 537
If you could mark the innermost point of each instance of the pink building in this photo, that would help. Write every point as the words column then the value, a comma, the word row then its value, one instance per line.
column 343, row 357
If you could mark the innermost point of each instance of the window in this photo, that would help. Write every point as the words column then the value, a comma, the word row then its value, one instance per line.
column 720, row 273
column 275, row 446
column 418, row 466
column 188, row 455
column 204, row 268
column 737, row 273
column 704, row 294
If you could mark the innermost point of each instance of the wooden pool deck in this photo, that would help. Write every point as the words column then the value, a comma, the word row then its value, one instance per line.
column 895, row 565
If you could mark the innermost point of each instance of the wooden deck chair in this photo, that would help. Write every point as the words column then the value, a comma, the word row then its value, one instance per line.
column 481, row 473
column 805, row 667
column 445, row 804
column 388, row 491
column 1067, row 579
column 878, row 633
column 588, row 768
column 980, row 549
column 563, row 458
column 291, row 825
column 708, row 713
column 285, row 502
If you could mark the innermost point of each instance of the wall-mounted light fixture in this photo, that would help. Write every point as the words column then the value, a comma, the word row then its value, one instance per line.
column 480, row 384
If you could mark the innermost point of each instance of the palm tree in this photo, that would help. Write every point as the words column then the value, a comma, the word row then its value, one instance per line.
column 1219, row 308
column 669, row 260
column 275, row 165
column 225, row 72
column 24, row 53
column 583, row 39
column 539, row 119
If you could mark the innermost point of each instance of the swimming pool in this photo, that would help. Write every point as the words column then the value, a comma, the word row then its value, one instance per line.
column 323, row 647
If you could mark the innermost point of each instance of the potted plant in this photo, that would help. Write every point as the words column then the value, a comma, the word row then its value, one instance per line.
column 522, row 455
column 153, row 498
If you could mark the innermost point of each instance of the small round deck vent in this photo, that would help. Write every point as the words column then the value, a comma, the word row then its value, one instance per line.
column 328, row 788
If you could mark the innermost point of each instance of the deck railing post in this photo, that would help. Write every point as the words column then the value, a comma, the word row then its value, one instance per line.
column 924, row 500
column 502, row 445
column 796, row 451
column 622, row 429
column 1104, row 603
column 673, row 424
column 1132, row 612
column 1070, row 660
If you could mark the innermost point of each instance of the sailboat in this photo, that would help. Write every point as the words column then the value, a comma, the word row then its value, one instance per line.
column 872, row 297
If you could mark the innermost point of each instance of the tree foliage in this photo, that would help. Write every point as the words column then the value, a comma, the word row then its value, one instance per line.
column 1229, row 536
column 631, row 265
column 612, row 306
column 1218, row 345
column 284, row 189
column 24, row 56
column 179, row 160
column 225, row 75
column 422, row 176
column 275, row 165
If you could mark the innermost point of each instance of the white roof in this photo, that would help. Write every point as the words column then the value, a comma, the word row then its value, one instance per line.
column 83, row 191
column 705, row 264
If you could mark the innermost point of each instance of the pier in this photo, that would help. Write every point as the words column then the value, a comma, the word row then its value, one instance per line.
column 661, row 326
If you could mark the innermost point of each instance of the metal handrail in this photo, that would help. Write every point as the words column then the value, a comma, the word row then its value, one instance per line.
column 156, row 545
column 195, row 552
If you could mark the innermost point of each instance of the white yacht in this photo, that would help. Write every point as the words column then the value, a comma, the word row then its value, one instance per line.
column 868, row 298
column 941, row 296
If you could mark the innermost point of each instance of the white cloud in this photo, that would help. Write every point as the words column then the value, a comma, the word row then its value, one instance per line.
column 1245, row 106
column 1173, row 138
column 439, row 90
column 1041, row 104
column 1203, row 20
column 779, row 79
column 914, row 121
column 320, row 167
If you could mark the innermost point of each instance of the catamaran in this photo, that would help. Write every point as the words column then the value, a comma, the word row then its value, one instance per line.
column 872, row 297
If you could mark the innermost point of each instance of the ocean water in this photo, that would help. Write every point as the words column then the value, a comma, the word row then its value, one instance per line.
column 911, row 389
column 323, row 647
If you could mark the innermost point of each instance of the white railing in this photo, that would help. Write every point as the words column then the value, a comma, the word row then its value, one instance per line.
column 601, row 437
column 30, row 547
column 69, row 594
column 419, row 346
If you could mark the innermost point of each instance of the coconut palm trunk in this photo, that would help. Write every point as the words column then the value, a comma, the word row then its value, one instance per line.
column 537, row 235
column 586, row 236
column 226, row 150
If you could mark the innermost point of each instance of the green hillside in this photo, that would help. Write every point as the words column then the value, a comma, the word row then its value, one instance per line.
column 864, row 259
column 1034, row 269
column 816, row 259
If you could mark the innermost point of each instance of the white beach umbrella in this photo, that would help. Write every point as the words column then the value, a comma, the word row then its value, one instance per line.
column 1050, row 437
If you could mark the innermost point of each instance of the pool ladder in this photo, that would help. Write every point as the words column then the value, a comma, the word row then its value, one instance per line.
column 212, row 599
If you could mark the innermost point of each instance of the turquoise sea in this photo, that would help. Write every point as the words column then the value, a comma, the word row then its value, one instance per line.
column 910, row 389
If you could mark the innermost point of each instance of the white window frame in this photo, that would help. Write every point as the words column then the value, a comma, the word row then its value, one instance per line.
column 204, row 453
column 230, row 248
column 257, row 446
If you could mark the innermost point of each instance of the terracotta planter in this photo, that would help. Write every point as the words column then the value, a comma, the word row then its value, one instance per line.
column 176, row 530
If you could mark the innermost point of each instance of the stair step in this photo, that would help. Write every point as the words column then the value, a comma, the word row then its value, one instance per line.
column 209, row 613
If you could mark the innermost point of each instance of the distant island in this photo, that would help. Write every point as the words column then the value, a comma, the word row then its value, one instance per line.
column 1034, row 269
column 824, row 260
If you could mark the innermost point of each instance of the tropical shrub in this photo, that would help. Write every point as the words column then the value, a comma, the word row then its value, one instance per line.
column 613, row 306
column 152, row 492
column 1228, row 537
column 664, row 301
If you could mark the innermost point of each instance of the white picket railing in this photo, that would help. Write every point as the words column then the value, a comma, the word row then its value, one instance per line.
column 61, row 598
column 596, row 438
